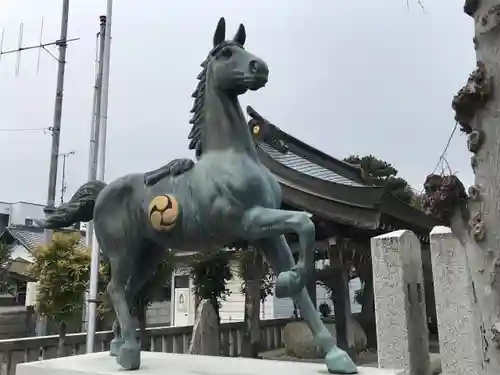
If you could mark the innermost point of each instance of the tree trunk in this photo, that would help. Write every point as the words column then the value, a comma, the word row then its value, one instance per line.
column 366, row 317
column 61, row 345
column 341, row 307
column 477, row 109
column 251, row 335
column 311, row 289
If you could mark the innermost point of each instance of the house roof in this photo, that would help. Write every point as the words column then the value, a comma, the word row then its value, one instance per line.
column 20, row 268
column 32, row 237
column 333, row 189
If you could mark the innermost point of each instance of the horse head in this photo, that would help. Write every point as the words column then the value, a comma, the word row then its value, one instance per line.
column 228, row 71
column 232, row 67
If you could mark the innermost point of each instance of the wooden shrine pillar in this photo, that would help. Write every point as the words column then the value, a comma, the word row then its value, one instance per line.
column 339, row 280
column 341, row 306
column 311, row 289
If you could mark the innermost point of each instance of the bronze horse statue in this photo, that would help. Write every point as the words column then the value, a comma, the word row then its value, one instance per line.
column 225, row 197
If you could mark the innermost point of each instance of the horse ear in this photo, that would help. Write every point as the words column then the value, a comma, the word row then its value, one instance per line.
column 220, row 32
column 241, row 35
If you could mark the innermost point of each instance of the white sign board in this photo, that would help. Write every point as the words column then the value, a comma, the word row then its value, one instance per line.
column 31, row 293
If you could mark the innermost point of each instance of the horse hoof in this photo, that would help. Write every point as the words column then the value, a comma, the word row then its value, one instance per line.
column 338, row 362
column 288, row 284
column 114, row 347
column 129, row 356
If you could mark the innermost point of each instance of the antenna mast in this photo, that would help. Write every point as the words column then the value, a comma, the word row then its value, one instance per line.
column 63, row 180
column 40, row 46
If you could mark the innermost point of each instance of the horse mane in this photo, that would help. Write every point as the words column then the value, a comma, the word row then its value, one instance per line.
column 197, row 120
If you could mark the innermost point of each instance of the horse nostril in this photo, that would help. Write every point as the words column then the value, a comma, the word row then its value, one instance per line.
column 258, row 67
column 254, row 66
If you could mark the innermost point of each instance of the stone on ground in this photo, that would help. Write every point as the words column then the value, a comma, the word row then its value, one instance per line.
column 299, row 341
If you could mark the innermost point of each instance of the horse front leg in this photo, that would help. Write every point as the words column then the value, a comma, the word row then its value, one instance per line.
column 259, row 223
column 272, row 242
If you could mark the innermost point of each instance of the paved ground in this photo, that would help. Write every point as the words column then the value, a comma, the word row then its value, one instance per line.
column 368, row 359
column 364, row 359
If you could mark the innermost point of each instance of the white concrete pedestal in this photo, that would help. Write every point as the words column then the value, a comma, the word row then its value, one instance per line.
column 180, row 364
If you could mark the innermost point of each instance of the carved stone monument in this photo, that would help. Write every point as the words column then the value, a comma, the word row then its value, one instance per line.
column 459, row 334
column 206, row 334
column 402, row 337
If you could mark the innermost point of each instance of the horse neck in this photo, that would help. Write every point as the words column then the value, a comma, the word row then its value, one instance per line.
column 225, row 127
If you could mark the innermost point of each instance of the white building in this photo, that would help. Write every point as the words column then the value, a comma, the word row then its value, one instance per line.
column 19, row 218
column 232, row 310
column 19, row 213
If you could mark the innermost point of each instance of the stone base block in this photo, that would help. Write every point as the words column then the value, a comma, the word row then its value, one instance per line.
column 180, row 364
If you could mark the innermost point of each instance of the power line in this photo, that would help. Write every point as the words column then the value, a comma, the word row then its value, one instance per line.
column 24, row 129
column 63, row 182
column 441, row 157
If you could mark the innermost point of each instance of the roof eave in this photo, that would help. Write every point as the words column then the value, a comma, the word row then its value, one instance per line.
column 361, row 196
column 320, row 157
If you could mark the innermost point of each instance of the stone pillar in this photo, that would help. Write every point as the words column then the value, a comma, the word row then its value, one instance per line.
column 459, row 332
column 205, row 339
column 402, row 335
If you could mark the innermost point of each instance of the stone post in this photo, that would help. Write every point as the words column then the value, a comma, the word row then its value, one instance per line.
column 402, row 335
column 206, row 337
column 457, row 314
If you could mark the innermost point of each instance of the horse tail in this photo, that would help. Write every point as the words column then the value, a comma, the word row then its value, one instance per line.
column 80, row 207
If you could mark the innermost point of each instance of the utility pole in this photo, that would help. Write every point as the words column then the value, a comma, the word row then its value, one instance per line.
column 96, row 118
column 63, row 182
column 56, row 129
column 101, row 151
column 93, row 158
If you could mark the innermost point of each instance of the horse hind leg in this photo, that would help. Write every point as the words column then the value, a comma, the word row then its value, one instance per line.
column 117, row 341
column 129, row 356
column 145, row 268
column 121, row 253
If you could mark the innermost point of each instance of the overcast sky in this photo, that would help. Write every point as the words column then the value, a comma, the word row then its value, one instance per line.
column 346, row 77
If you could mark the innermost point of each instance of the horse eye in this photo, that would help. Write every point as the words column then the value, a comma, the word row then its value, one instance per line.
column 227, row 53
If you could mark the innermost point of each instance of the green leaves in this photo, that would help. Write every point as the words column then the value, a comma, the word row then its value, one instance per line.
column 63, row 273
column 210, row 273
column 378, row 169
column 381, row 173
column 62, row 269
column 246, row 258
